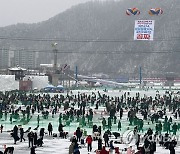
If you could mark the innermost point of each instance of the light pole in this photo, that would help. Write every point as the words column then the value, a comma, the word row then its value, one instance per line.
column 140, row 77
column 55, row 56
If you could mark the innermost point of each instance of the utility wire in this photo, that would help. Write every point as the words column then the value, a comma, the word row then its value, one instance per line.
column 79, row 40
column 94, row 51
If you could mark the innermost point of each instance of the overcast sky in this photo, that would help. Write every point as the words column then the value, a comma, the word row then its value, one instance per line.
column 32, row 11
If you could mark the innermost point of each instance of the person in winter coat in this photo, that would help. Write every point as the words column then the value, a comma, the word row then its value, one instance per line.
column 22, row 134
column 41, row 133
column 89, row 142
column 9, row 150
column 33, row 150
column 15, row 134
column 137, row 140
column 119, row 125
column 99, row 144
column 50, row 129
column 73, row 139
column 111, row 145
column 174, row 128
column 71, row 148
column 171, row 148
column 117, row 150
column 104, row 123
column 78, row 134
column 76, row 148
column 106, row 139
column 140, row 150
column 15, row 130
column 152, row 147
column 130, row 151
column 35, row 138
column 60, row 129
column 30, row 138
column 147, row 148
column 104, row 151
column 1, row 128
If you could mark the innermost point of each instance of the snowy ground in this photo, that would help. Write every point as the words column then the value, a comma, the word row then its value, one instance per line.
column 60, row 146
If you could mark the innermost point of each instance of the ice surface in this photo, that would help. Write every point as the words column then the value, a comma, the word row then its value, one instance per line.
column 60, row 146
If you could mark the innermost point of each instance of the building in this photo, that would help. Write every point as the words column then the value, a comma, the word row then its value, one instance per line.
column 19, row 72
column 4, row 59
column 25, row 59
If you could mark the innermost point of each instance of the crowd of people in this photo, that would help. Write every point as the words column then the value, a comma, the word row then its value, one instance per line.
column 142, row 112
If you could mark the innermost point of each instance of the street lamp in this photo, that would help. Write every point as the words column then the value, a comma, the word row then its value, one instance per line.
column 55, row 55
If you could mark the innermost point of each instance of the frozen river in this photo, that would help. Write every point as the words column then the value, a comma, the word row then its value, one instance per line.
column 60, row 146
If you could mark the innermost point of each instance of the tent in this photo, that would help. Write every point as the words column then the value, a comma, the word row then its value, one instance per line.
column 59, row 88
column 50, row 88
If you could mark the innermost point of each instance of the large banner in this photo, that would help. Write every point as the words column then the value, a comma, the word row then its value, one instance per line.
column 144, row 30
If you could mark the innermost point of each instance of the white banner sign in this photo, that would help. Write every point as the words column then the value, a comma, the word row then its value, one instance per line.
column 144, row 30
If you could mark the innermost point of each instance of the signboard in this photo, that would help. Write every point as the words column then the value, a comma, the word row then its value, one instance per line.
column 144, row 30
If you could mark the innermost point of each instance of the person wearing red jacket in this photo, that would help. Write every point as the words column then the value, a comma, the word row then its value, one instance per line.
column 89, row 142
column 104, row 151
